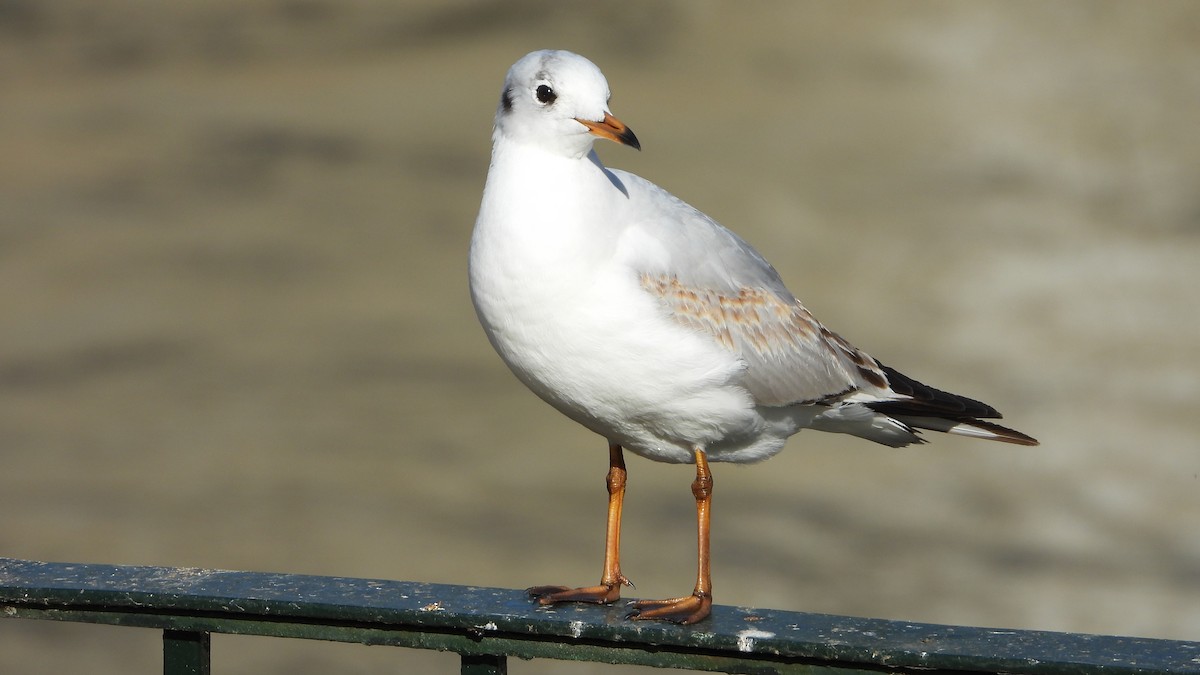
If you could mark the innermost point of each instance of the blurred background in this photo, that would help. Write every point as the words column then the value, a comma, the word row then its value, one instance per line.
column 235, row 330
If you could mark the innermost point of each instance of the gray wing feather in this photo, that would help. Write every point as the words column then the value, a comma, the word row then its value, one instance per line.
column 790, row 358
column 734, row 295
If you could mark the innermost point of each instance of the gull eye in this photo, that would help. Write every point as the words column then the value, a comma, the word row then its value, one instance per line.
column 544, row 94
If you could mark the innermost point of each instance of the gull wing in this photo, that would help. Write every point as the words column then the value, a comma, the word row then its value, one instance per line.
column 709, row 279
column 790, row 357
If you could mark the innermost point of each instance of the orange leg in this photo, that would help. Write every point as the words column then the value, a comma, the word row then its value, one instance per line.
column 609, row 589
column 695, row 607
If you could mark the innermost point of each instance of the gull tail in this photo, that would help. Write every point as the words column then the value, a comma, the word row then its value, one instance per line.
column 937, row 410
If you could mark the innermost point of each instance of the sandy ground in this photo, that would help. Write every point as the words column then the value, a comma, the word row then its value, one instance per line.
column 236, row 333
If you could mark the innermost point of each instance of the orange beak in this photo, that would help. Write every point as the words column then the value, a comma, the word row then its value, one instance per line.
column 613, row 129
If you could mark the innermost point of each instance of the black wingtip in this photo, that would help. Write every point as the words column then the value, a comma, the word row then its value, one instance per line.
column 929, row 400
column 937, row 410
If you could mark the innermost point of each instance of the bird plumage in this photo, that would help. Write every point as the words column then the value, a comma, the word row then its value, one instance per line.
column 647, row 321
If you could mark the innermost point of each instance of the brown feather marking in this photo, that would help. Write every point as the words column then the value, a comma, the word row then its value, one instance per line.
column 798, row 360
column 746, row 309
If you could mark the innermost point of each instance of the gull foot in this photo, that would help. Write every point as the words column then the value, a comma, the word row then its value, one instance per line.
column 686, row 610
column 604, row 594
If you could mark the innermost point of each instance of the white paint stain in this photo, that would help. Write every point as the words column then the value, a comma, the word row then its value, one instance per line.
column 746, row 638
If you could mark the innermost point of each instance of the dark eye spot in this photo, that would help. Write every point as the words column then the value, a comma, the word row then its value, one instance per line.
column 545, row 95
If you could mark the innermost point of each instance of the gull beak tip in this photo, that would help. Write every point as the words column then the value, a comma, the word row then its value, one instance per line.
column 613, row 129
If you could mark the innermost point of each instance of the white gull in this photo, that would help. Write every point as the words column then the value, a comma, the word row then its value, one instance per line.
column 649, row 323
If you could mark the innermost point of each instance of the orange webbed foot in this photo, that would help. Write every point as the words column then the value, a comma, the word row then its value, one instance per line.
column 603, row 594
column 686, row 610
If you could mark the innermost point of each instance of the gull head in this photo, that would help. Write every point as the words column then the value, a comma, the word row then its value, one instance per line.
column 558, row 101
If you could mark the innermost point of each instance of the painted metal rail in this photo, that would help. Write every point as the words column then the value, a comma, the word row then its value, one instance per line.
column 486, row 626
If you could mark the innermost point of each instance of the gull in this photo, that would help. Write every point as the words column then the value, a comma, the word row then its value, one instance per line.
column 647, row 322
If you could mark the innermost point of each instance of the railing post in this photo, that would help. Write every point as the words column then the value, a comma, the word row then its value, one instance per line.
column 186, row 652
column 484, row 664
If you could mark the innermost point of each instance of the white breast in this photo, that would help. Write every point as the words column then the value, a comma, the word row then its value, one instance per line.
column 570, row 318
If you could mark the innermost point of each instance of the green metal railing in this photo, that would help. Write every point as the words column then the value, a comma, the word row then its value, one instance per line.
column 487, row 625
